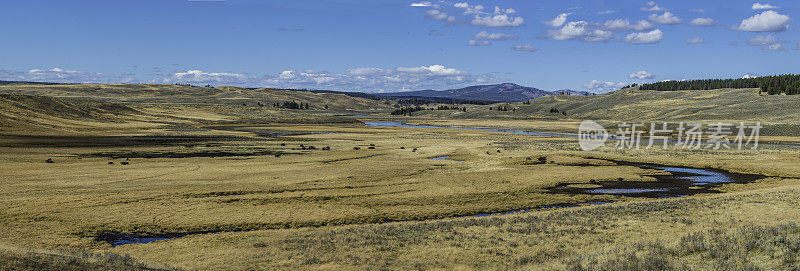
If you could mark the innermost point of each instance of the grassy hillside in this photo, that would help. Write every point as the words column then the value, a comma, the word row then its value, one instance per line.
column 646, row 105
column 175, row 94
column 80, row 108
column 28, row 113
column 631, row 104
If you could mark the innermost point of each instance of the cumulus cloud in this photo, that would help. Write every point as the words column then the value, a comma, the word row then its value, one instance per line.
column 484, row 38
column 767, row 21
column 625, row 24
column 433, row 70
column 362, row 71
column 702, row 21
column 604, row 86
column 469, row 9
column 654, row 36
column 483, row 35
column 524, row 48
column 59, row 75
column 759, row 6
column 666, row 18
column 768, row 42
column 500, row 17
column 559, row 20
column 474, row 42
column 369, row 79
column 201, row 77
column 374, row 79
column 641, row 75
column 580, row 30
column 651, row 7
column 422, row 4
column 440, row 15
column 695, row 40
column 497, row 20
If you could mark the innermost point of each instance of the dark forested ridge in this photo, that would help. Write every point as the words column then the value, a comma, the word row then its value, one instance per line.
column 777, row 84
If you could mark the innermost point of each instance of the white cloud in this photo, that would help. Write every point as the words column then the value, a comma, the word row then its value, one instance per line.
column 641, row 75
column 497, row 20
column 469, row 9
column 645, row 37
column 433, row 70
column 598, row 35
column 606, row 12
column 580, row 30
column 198, row 76
column 59, row 75
column 768, row 42
column 571, row 30
column 524, row 48
column 767, row 21
column 474, row 42
column 365, row 71
column 373, row 79
column 559, row 20
column 439, row 15
column 367, row 79
column 701, row 21
column 759, row 6
column 695, row 40
column 666, row 18
column 500, row 17
column 698, row 10
column 625, row 24
column 604, row 86
column 483, row 35
column 651, row 7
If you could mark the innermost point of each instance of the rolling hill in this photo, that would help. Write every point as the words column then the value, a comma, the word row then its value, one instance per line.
column 26, row 113
column 506, row 92
column 180, row 94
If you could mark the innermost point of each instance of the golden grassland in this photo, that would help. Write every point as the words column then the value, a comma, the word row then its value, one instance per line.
column 271, row 202
column 314, row 192
column 744, row 230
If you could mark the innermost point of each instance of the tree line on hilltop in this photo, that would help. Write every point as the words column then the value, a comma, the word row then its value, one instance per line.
column 409, row 110
column 788, row 84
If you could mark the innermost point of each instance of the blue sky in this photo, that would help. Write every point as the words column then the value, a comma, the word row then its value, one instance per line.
column 383, row 45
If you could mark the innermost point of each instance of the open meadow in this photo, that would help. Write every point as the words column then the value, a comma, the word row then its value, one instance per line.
column 131, row 184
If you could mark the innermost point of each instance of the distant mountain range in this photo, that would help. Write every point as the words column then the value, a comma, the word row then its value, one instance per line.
column 506, row 92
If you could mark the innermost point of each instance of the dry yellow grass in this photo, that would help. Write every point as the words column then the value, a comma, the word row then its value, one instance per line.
column 322, row 209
